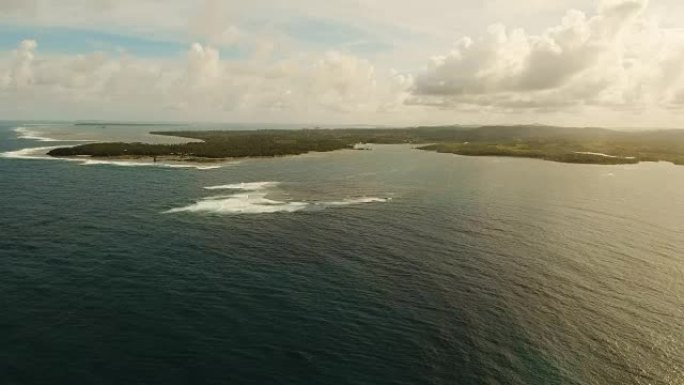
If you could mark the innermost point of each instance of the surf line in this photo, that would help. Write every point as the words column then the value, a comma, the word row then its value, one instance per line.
column 40, row 153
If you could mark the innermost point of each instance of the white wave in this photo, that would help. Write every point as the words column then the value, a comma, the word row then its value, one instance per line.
column 355, row 201
column 29, row 134
column 195, row 166
column 253, row 200
column 40, row 153
column 603, row 155
column 130, row 163
column 246, row 203
column 26, row 133
column 250, row 186
column 29, row 153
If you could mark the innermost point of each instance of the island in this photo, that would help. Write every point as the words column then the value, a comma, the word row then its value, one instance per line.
column 587, row 145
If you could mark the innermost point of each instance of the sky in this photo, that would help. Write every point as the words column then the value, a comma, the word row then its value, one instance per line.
column 614, row 63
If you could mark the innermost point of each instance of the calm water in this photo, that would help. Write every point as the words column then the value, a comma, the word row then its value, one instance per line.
column 392, row 266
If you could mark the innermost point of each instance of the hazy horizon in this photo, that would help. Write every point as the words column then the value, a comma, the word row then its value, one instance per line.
column 296, row 125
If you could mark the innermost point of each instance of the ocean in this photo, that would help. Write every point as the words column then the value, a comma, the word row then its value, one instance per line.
column 390, row 266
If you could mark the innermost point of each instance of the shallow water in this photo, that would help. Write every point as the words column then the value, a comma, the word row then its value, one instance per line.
column 391, row 266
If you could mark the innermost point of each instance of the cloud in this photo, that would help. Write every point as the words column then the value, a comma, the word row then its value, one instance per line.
column 249, row 63
column 211, row 23
column 19, row 74
column 616, row 58
column 14, row 7
column 203, row 85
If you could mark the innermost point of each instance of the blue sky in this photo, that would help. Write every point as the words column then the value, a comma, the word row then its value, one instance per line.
column 307, row 33
column 326, row 34
column 77, row 41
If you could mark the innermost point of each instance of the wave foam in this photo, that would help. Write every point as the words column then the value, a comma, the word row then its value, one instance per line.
column 29, row 153
column 253, row 201
column 356, row 201
column 40, row 153
column 249, row 186
column 129, row 163
column 603, row 155
column 28, row 134
column 241, row 204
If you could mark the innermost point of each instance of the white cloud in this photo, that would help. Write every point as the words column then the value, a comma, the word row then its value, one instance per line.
column 203, row 86
column 212, row 23
column 19, row 75
column 620, row 58
column 616, row 58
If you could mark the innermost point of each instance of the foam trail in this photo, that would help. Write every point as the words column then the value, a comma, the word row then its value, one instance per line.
column 128, row 163
column 29, row 153
column 603, row 155
column 40, row 153
column 26, row 133
column 195, row 166
column 250, row 186
column 355, row 201
column 252, row 200
column 241, row 204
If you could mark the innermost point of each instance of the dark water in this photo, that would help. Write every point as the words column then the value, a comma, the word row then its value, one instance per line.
column 392, row 266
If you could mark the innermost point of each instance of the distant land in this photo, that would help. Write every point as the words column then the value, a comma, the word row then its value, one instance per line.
column 587, row 145
column 103, row 124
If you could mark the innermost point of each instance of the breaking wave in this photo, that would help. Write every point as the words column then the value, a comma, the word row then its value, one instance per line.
column 29, row 134
column 29, row 153
column 128, row 163
column 251, row 186
column 40, row 153
column 252, row 199
column 603, row 155
column 241, row 204
column 356, row 201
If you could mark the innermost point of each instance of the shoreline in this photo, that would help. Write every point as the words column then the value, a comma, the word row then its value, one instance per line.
column 557, row 144
column 204, row 161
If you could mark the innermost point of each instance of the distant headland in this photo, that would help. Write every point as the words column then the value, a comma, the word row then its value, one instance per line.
column 561, row 144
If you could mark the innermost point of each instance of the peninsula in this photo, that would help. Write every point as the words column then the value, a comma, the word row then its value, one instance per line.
column 561, row 144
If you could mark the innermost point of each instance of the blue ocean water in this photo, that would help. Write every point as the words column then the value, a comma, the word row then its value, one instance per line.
column 391, row 266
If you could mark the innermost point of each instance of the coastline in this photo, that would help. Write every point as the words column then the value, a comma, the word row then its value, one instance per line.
column 558, row 144
column 171, row 160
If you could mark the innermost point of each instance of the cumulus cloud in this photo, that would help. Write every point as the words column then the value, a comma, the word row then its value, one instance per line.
column 203, row 83
column 616, row 58
column 593, row 62
column 19, row 75
column 212, row 23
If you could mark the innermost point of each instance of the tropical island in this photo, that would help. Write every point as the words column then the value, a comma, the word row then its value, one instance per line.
column 562, row 144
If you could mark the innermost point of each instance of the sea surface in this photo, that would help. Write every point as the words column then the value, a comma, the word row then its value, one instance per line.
column 390, row 266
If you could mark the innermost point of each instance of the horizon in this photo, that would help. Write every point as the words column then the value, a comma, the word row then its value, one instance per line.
column 296, row 125
column 602, row 63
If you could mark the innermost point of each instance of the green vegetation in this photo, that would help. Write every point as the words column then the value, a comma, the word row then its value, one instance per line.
column 266, row 143
column 555, row 151
column 571, row 145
